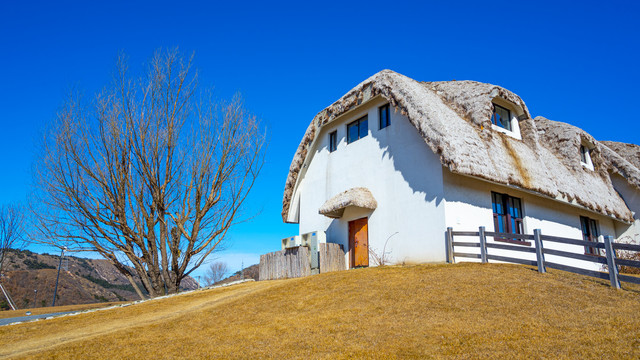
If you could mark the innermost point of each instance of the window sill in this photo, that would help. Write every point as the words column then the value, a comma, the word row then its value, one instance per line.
column 513, row 241
column 586, row 166
column 513, row 134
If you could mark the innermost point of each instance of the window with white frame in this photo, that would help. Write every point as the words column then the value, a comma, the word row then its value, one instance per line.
column 501, row 117
column 585, row 156
column 505, row 118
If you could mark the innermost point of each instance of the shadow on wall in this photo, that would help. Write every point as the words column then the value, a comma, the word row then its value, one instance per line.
column 409, row 155
column 403, row 165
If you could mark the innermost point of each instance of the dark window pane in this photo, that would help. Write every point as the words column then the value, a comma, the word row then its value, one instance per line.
column 333, row 141
column 589, row 233
column 352, row 132
column 515, row 208
column 585, row 228
column 583, row 155
column 363, row 127
column 384, row 116
column 501, row 117
column 501, row 223
column 497, row 204
column 594, row 229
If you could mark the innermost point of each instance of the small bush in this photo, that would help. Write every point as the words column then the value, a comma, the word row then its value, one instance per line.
column 107, row 285
column 37, row 265
column 101, row 298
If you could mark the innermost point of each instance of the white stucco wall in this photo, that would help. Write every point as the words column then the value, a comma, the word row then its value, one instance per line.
column 399, row 169
column 468, row 206
column 418, row 198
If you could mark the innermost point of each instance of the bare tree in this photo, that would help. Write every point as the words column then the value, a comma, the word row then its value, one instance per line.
column 152, row 174
column 11, row 230
column 215, row 272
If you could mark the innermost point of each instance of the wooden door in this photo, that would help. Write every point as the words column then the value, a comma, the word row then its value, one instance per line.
column 358, row 243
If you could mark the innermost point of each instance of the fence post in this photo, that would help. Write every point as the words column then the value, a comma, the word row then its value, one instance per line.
column 611, row 262
column 539, row 254
column 449, row 240
column 483, row 245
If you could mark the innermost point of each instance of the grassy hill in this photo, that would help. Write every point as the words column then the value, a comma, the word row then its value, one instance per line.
column 82, row 281
column 426, row 311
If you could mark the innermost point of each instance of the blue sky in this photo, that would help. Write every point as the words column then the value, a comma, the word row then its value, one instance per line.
column 569, row 61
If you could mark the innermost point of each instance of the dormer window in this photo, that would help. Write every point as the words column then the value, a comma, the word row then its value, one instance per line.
column 585, row 157
column 501, row 117
column 505, row 117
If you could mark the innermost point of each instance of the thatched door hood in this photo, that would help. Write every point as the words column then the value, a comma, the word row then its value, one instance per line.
column 358, row 197
column 453, row 118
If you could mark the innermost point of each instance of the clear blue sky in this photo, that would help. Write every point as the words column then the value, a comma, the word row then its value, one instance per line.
column 576, row 62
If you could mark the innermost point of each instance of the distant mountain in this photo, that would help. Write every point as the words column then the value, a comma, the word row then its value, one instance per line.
column 82, row 281
column 250, row 272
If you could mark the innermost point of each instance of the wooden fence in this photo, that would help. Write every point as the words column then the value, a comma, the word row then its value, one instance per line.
column 610, row 260
column 295, row 262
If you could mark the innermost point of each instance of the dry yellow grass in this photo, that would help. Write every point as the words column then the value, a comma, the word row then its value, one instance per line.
column 47, row 310
column 428, row 311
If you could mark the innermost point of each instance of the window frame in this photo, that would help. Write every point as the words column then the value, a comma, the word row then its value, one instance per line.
column 591, row 226
column 585, row 156
column 494, row 121
column 359, row 123
column 333, row 141
column 509, row 221
column 384, row 109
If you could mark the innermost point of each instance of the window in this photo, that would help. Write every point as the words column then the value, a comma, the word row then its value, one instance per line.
column 585, row 157
column 501, row 117
column 583, row 154
column 590, row 233
column 507, row 216
column 357, row 129
column 333, row 141
column 384, row 116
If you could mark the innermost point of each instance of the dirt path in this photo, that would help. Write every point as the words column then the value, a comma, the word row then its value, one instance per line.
column 29, row 338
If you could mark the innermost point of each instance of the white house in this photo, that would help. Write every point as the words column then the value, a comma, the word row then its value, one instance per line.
column 394, row 162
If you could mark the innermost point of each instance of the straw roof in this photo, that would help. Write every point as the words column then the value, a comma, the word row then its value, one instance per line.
column 624, row 159
column 454, row 119
column 359, row 197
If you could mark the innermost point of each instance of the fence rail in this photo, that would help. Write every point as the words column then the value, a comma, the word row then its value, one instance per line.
column 610, row 260
column 296, row 262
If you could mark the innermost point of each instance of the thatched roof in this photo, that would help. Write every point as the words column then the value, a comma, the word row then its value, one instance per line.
column 454, row 119
column 624, row 159
column 359, row 197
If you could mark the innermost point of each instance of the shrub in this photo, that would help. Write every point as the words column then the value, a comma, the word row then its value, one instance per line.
column 107, row 285
column 37, row 265
column 101, row 298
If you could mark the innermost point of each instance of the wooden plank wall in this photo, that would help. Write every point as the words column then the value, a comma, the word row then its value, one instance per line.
column 294, row 262
column 331, row 258
column 288, row 263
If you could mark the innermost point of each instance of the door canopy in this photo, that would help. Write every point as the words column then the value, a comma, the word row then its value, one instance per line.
column 358, row 197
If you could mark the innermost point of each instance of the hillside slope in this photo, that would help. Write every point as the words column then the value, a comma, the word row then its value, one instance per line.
column 82, row 281
column 428, row 311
